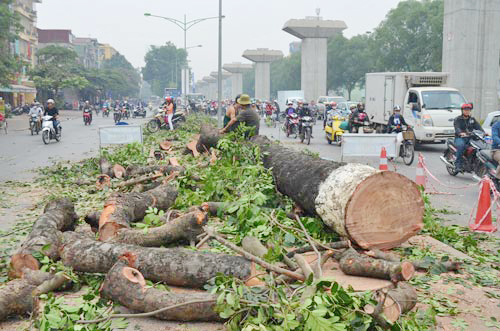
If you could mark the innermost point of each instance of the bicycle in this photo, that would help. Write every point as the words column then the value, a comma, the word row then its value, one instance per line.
column 407, row 149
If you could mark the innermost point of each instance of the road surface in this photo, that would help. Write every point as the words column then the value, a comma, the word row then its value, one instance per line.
column 21, row 153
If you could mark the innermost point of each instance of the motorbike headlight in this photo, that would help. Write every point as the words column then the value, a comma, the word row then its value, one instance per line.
column 427, row 120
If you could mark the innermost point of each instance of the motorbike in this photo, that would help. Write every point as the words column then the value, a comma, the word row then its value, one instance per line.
column 117, row 116
column 105, row 112
column 475, row 157
column 34, row 124
column 48, row 130
column 87, row 119
column 361, row 124
column 306, row 124
column 335, row 127
column 125, row 113
column 293, row 125
column 160, row 121
column 139, row 111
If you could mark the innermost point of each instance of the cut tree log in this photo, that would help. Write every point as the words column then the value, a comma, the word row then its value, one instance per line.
column 334, row 245
column 353, row 263
column 139, row 180
column 186, row 227
column 138, row 170
column 118, row 171
column 122, row 209
column 209, row 137
column 59, row 215
column 445, row 266
column 173, row 266
column 393, row 303
column 125, row 285
column 19, row 296
column 373, row 209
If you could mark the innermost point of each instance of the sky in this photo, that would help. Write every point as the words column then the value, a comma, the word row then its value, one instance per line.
column 248, row 24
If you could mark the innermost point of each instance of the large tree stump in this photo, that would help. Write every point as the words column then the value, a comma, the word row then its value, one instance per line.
column 122, row 209
column 374, row 209
column 186, row 227
column 173, row 266
column 209, row 137
column 59, row 215
column 126, row 285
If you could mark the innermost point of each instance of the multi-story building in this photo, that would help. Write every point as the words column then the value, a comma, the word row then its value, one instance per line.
column 88, row 52
column 106, row 52
column 58, row 37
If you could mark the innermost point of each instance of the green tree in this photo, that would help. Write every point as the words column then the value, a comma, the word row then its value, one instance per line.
column 57, row 69
column 163, row 67
column 120, row 77
column 9, row 27
column 411, row 37
column 348, row 62
column 249, row 82
column 285, row 74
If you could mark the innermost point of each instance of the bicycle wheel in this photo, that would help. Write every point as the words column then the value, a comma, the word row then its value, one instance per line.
column 408, row 152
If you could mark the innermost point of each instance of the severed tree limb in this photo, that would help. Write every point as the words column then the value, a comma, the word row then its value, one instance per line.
column 353, row 263
column 138, row 170
column 252, row 257
column 304, row 266
column 45, row 236
column 309, row 239
column 122, row 209
column 334, row 245
column 126, row 285
column 139, row 180
column 185, row 227
column 172, row 266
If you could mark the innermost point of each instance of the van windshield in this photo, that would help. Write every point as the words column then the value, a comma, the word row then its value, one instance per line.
column 442, row 99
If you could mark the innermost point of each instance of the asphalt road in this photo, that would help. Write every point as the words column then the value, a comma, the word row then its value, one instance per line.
column 458, row 201
column 21, row 153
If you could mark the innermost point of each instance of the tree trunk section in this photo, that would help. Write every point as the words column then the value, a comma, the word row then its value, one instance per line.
column 125, row 285
column 209, row 137
column 353, row 263
column 173, row 266
column 139, row 170
column 373, row 209
column 122, row 209
column 59, row 215
column 186, row 227
column 399, row 301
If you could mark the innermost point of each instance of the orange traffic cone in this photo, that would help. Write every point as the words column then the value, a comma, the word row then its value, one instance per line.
column 383, row 160
column 483, row 222
column 420, row 178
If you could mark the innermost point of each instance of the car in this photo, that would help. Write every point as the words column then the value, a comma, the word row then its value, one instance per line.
column 491, row 118
column 328, row 99
column 346, row 105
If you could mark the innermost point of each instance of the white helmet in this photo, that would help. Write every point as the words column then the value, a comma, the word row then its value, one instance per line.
column 51, row 101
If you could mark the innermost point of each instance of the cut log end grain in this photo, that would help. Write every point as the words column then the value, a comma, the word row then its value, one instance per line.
column 18, row 262
column 384, row 210
column 399, row 301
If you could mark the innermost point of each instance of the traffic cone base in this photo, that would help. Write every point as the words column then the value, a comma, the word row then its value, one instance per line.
column 420, row 176
column 383, row 160
column 484, row 221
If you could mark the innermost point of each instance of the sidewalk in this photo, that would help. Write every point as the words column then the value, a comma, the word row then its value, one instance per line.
column 21, row 122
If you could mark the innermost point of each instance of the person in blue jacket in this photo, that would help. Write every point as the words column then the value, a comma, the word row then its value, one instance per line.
column 495, row 147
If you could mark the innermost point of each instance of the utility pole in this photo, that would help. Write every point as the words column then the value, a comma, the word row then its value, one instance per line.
column 219, row 80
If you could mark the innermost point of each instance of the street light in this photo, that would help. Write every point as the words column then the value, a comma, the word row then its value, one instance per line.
column 184, row 25
column 194, row 46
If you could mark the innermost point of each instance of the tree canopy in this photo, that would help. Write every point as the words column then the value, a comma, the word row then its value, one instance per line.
column 9, row 26
column 163, row 67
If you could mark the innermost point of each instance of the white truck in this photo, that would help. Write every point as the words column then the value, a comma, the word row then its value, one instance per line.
column 292, row 95
column 427, row 104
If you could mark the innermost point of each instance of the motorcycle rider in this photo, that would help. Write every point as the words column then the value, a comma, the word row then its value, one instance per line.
column 495, row 147
column 170, row 112
column 304, row 110
column 289, row 111
column 51, row 110
column 38, row 111
column 464, row 125
column 87, row 108
column 329, row 108
column 357, row 117
column 396, row 121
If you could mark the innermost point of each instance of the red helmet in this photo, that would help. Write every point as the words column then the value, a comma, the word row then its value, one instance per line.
column 467, row 106
column 334, row 104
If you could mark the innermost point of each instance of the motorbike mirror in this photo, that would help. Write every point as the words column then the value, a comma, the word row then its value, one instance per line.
column 372, row 117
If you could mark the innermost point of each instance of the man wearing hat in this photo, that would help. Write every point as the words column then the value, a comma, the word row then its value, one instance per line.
column 246, row 115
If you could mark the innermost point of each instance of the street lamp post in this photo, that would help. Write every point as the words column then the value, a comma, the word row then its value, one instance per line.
column 219, row 80
column 184, row 25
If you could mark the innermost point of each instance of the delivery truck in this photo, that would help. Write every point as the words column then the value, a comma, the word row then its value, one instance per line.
column 427, row 104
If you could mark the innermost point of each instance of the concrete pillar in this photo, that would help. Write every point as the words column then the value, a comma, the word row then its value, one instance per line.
column 215, row 75
column 201, row 87
column 237, row 69
column 314, row 32
column 211, row 87
column 471, row 48
column 262, row 58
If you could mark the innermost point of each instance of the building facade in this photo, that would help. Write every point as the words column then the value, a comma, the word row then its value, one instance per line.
column 88, row 52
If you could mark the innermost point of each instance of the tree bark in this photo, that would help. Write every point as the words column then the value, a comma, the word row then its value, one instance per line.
column 419, row 264
column 138, row 170
column 186, row 227
column 59, row 215
column 373, row 209
column 18, row 297
column 125, row 285
column 209, row 137
column 353, row 263
column 122, row 209
column 173, row 266
column 397, row 302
